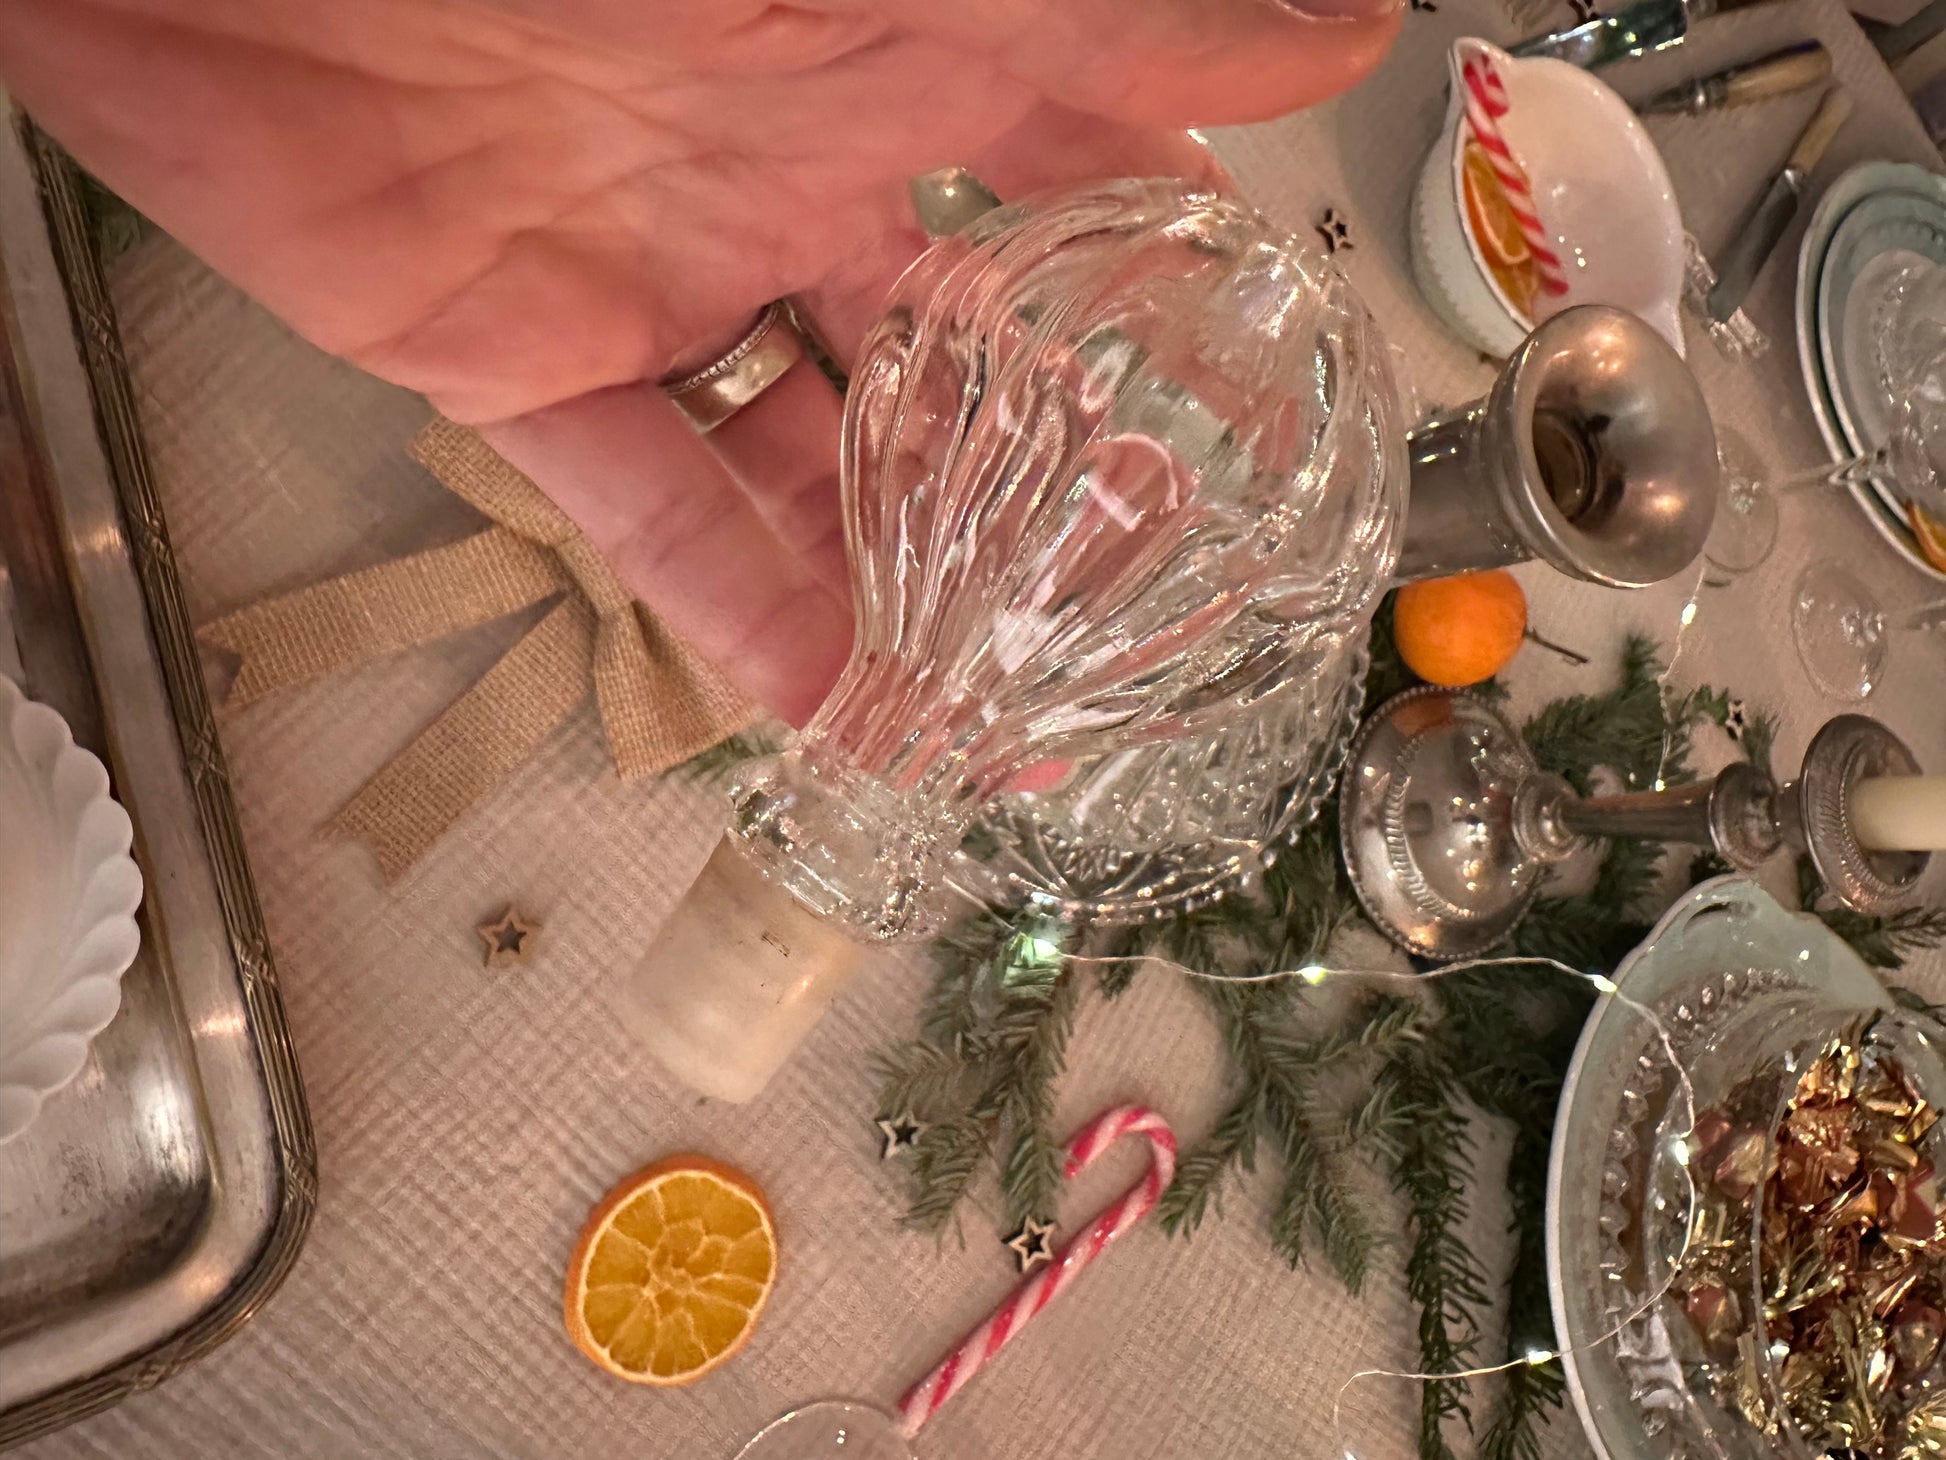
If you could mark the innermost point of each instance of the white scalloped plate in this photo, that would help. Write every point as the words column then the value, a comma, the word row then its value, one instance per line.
column 68, row 894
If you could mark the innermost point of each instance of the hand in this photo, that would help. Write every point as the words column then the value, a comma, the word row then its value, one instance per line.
column 530, row 210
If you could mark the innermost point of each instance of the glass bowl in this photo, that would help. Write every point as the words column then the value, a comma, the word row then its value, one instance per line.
column 1732, row 982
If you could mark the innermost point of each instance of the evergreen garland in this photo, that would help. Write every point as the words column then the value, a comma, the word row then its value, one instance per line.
column 1337, row 1095
column 1493, row 1042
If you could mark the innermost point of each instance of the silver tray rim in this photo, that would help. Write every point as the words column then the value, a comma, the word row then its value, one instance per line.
column 293, row 1157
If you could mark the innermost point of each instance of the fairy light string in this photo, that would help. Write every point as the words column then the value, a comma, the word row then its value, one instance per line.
column 1322, row 974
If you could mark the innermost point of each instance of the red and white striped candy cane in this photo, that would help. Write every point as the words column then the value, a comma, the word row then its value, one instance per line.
column 1486, row 103
column 923, row 1400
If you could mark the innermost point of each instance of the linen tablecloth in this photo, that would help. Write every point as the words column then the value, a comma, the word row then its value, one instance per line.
column 467, row 1119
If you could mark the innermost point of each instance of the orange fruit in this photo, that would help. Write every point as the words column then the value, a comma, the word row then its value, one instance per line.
column 1494, row 226
column 1931, row 533
column 671, row 1271
column 1460, row 630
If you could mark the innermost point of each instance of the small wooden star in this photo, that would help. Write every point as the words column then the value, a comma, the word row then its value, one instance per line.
column 1584, row 11
column 1335, row 229
column 509, row 939
column 1736, row 721
column 901, row 1133
column 1031, row 1245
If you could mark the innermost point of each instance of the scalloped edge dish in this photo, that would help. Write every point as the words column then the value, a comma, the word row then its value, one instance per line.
column 1846, row 192
column 69, row 937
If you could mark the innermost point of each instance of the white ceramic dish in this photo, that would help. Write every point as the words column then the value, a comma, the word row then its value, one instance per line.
column 68, row 894
column 1600, row 188
column 1874, row 210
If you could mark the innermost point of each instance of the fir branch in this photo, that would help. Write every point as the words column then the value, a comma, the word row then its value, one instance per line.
column 1760, row 739
column 1121, row 951
column 948, row 1156
column 1630, row 730
column 1430, row 1167
column 1597, row 928
column 717, row 761
column 1887, row 941
column 1882, row 940
column 993, row 1044
column 919, row 1079
column 1201, row 1171
column 1030, row 1175
column 1315, row 1195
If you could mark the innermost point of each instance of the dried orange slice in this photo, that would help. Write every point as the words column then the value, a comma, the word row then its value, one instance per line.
column 1494, row 226
column 1931, row 533
column 671, row 1271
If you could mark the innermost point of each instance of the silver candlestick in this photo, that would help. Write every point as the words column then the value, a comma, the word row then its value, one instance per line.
column 1448, row 824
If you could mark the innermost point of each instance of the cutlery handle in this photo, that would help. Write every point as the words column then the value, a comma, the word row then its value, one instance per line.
column 1779, row 76
column 1823, row 126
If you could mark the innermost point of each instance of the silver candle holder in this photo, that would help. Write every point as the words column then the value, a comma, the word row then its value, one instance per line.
column 1448, row 824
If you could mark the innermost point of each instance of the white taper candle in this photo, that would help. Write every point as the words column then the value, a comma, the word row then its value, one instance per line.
column 1900, row 813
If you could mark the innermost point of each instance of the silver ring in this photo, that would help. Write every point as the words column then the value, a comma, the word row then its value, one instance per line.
column 711, row 395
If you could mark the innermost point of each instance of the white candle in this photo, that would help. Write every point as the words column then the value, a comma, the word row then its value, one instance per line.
column 1900, row 813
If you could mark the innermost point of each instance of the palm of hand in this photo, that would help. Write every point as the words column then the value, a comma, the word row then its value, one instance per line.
column 525, row 210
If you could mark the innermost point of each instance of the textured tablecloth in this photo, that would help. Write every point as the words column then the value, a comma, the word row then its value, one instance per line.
column 466, row 1119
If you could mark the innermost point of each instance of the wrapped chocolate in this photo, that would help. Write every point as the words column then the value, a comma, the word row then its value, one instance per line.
column 1813, row 1273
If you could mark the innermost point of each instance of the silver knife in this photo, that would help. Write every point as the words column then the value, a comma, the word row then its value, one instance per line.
column 1750, row 250
column 1634, row 30
column 1796, row 68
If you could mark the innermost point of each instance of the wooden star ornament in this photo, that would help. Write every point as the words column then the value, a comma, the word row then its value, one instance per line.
column 900, row 1133
column 1032, row 1244
column 509, row 939
column 1335, row 229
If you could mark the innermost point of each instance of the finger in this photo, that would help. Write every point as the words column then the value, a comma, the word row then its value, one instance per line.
column 783, row 450
column 658, row 504
column 1182, row 62
column 1056, row 144
column 1052, row 146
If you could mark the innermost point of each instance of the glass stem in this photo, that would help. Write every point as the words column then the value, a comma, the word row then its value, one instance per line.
column 1926, row 616
column 1856, row 471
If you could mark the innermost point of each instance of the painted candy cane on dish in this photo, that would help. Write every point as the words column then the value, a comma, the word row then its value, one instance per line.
column 1486, row 103
column 978, row 1347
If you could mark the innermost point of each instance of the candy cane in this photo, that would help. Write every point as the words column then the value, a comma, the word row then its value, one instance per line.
column 957, row 1369
column 1486, row 103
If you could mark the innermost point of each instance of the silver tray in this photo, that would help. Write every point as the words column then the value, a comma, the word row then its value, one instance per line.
column 158, row 1200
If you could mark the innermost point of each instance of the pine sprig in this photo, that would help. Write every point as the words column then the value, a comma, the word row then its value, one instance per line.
column 992, row 1046
column 1428, row 1150
column 1030, row 1173
column 1623, row 730
column 717, row 761
column 1883, row 940
column 1201, row 1171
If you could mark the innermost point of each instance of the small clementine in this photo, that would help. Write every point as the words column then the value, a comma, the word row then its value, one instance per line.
column 1461, row 630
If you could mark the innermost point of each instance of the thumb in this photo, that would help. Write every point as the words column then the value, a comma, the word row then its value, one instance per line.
column 1183, row 62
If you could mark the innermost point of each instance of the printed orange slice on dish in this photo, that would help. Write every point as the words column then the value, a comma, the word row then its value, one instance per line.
column 671, row 1271
column 1494, row 226
column 1931, row 533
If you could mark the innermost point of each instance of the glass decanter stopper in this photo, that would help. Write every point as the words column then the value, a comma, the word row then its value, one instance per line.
column 1118, row 464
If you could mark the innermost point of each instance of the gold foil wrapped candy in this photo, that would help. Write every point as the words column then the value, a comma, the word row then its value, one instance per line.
column 1850, row 1261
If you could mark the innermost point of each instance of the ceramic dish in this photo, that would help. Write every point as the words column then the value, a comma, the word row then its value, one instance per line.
column 1724, row 952
column 1900, row 210
column 1600, row 189
column 68, row 894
